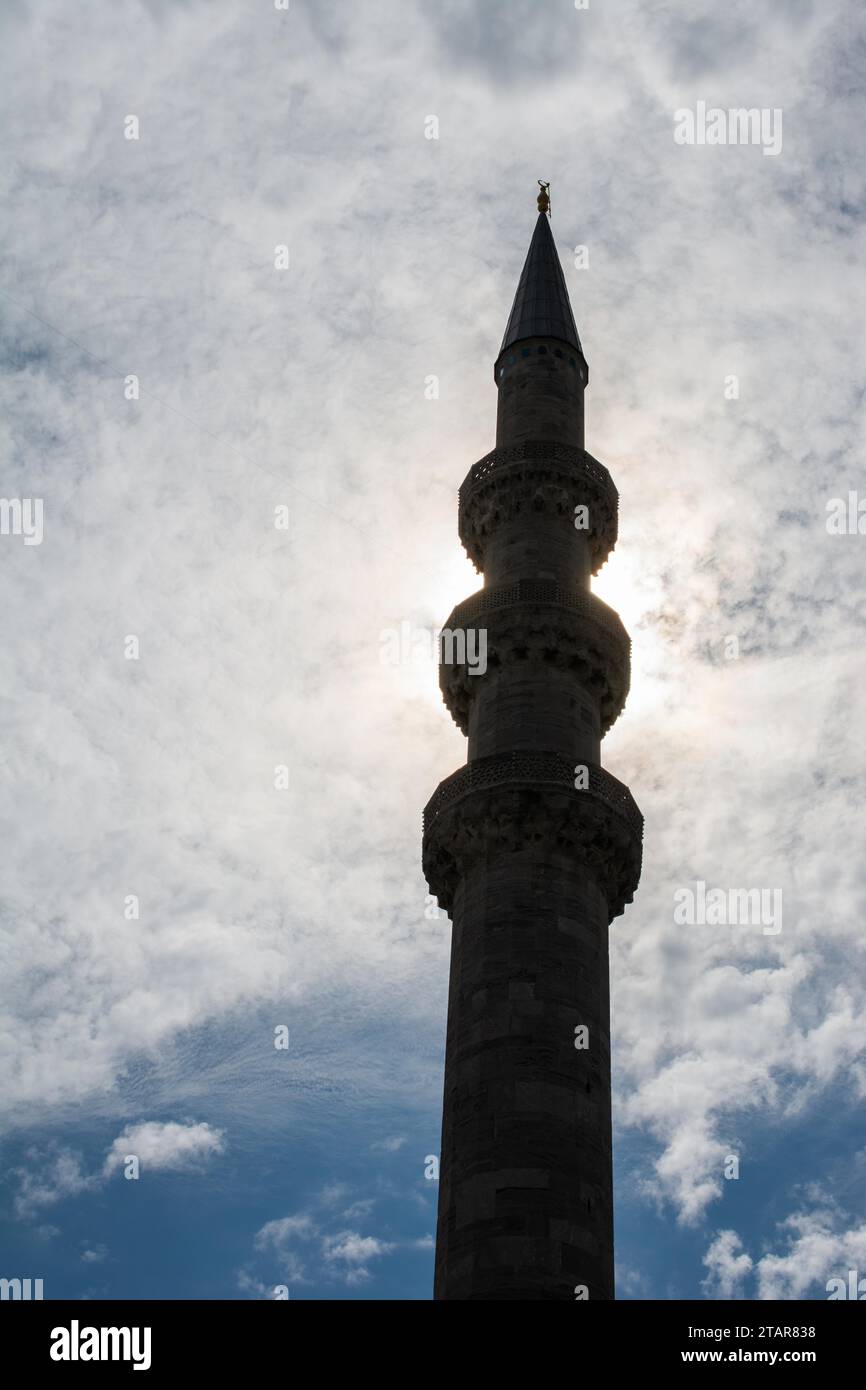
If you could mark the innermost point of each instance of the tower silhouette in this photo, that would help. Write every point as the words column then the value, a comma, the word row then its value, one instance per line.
column 532, row 848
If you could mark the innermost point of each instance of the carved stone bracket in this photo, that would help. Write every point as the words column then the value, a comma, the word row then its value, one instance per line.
column 504, row 804
column 537, row 621
column 543, row 476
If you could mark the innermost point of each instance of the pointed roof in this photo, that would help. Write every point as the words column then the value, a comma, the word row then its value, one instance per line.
column 541, row 307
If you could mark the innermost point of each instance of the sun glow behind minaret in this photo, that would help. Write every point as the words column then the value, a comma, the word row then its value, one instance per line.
column 411, row 647
column 618, row 584
column 624, row 586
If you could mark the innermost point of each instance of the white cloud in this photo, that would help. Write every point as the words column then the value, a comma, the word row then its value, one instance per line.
column 351, row 1253
column 313, row 1244
column 94, row 1255
column 358, row 1211
column 820, row 1247
column 165, row 1145
column 51, row 1175
column 277, row 1235
column 333, row 1194
column 392, row 1145
column 815, row 1243
column 728, row 1265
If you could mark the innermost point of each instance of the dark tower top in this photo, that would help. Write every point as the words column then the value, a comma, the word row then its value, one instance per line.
column 541, row 371
column 541, row 308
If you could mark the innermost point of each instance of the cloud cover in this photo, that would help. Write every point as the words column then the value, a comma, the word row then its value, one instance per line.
column 260, row 647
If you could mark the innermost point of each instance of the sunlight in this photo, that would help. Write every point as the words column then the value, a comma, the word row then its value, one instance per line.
column 623, row 585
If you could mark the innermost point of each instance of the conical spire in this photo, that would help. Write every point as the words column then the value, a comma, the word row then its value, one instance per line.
column 541, row 307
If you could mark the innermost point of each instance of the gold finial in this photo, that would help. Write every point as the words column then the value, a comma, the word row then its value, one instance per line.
column 544, row 197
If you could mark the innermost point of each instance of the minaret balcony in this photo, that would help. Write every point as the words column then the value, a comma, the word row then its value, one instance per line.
column 538, row 476
column 539, row 623
column 520, row 802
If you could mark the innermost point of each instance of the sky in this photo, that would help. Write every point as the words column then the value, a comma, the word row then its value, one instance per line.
column 256, row 266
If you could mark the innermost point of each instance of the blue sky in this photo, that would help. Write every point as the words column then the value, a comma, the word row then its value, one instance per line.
column 261, row 648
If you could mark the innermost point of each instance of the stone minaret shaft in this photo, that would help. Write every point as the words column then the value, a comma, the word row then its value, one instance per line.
column 532, row 848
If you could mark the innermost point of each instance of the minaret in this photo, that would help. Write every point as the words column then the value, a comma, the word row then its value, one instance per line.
column 532, row 848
